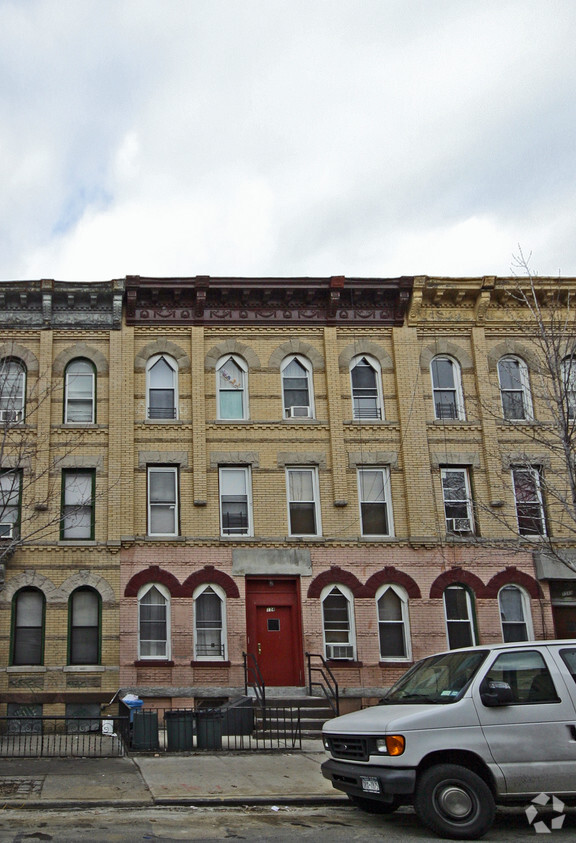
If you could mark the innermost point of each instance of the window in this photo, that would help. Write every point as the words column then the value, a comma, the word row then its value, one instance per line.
column 10, row 482
column 235, row 502
column 447, row 388
column 526, row 673
column 514, row 614
column 366, row 389
column 79, row 403
column 529, row 504
column 12, row 390
column 393, row 624
column 162, row 501
column 77, row 504
column 459, row 617
column 569, row 384
column 303, row 511
column 338, row 623
column 297, row 388
column 374, row 492
column 209, row 623
column 28, row 627
column 84, row 626
column 231, row 375
column 153, row 622
column 457, row 500
column 514, row 389
column 162, row 378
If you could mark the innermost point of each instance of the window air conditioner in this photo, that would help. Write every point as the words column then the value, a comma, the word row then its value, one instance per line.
column 458, row 525
column 298, row 412
column 10, row 416
column 6, row 530
column 339, row 651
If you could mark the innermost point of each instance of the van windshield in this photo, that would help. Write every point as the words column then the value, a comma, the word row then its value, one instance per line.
column 438, row 679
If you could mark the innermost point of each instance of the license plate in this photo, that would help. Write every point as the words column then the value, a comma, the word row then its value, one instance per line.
column 370, row 784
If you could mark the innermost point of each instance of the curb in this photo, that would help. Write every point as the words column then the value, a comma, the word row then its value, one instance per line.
column 168, row 802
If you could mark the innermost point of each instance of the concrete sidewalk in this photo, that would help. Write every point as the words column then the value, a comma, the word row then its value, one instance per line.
column 196, row 779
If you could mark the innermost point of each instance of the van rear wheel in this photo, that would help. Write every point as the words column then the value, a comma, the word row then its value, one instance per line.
column 454, row 802
column 374, row 806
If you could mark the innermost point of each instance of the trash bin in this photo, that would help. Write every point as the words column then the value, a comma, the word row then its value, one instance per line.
column 209, row 728
column 133, row 705
column 145, row 730
column 179, row 730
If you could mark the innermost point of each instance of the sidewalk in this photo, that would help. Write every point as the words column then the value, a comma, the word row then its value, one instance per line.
column 202, row 779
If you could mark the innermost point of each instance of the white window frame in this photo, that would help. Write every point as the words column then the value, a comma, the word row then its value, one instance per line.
column 238, row 361
column 173, row 365
column 142, row 592
column 288, row 411
column 357, row 413
column 68, row 389
column 10, row 500
column 454, row 522
column 456, row 389
column 14, row 412
column 568, row 366
column 384, row 472
column 223, row 471
column 402, row 596
column 470, row 619
column 537, row 501
column 350, row 642
column 75, row 509
column 526, row 613
column 173, row 504
column 523, row 389
column 313, row 472
column 220, row 593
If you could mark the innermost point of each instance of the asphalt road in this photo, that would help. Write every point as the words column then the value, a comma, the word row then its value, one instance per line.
column 343, row 823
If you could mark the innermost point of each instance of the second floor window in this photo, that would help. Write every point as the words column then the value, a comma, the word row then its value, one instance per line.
column 12, row 391
column 447, row 388
column 569, row 386
column 374, row 488
column 297, row 388
column 514, row 389
column 162, row 381
column 527, row 484
column 79, row 403
column 84, row 630
column 77, row 504
column 28, row 627
column 9, row 504
column 235, row 501
column 303, row 511
column 231, row 375
column 366, row 392
column 162, row 501
column 457, row 500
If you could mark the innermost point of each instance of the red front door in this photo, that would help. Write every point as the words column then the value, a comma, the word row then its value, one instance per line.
column 274, row 629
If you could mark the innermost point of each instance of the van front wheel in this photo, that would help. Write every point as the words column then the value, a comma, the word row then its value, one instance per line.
column 454, row 802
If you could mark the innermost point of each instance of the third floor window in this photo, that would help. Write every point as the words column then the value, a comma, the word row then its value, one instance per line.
column 162, row 388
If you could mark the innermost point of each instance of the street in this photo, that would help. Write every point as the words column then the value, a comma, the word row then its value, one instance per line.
column 282, row 823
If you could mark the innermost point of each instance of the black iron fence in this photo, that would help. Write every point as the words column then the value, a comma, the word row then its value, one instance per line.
column 63, row 737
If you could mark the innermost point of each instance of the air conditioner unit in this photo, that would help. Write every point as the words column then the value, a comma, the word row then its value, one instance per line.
column 458, row 525
column 298, row 412
column 339, row 651
column 6, row 530
column 10, row 416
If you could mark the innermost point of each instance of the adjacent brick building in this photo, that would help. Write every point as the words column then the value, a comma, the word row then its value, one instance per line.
column 273, row 467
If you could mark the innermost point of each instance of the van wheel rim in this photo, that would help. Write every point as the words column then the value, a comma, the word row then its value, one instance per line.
column 455, row 802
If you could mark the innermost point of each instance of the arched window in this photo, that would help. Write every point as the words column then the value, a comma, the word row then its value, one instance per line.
column 515, row 614
column 447, row 388
column 28, row 609
column 154, row 622
column 459, row 610
column 366, row 388
column 297, row 391
column 338, row 622
column 231, row 386
column 79, row 401
column 12, row 390
column 84, row 626
column 209, row 623
column 162, row 387
column 569, row 385
column 393, row 623
column 514, row 389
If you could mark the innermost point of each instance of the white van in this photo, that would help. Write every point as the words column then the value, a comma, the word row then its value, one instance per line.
column 460, row 732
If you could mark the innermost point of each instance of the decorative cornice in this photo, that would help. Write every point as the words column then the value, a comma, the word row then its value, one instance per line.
column 61, row 304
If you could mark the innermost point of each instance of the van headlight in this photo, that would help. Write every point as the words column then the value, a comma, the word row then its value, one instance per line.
column 391, row 745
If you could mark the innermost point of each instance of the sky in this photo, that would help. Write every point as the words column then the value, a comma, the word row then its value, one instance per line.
column 366, row 138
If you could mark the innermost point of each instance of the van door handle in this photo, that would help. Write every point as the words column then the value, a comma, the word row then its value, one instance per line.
column 572, row 730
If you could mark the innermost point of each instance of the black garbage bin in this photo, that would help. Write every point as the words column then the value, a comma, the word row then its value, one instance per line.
column 179, row 730
column 145, row 731
column 209, row 728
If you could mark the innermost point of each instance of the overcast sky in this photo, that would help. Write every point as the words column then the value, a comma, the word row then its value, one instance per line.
column 286, row 137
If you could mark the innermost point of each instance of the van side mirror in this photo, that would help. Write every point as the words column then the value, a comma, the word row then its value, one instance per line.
column 493, row 693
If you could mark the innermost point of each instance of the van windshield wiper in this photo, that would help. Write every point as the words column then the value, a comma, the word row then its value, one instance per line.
column 423, row 698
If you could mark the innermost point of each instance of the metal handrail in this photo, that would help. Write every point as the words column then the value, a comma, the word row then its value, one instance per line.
column 257, row 683
column 328, row 684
